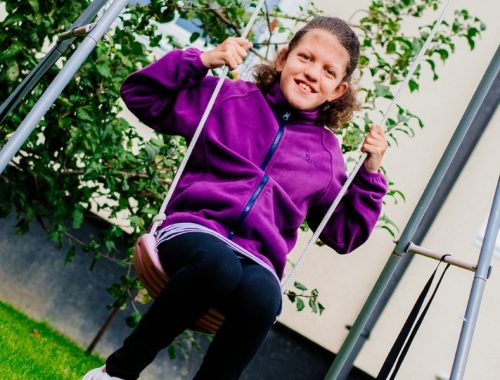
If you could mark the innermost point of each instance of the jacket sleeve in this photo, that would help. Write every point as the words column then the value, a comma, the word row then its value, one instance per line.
column 166, row 95
column 356, row 215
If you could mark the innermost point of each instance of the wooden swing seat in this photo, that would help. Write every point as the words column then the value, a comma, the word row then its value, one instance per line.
column 153, row 277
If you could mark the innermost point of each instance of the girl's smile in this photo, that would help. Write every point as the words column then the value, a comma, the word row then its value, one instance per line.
column 305, row 87
column 313, row 71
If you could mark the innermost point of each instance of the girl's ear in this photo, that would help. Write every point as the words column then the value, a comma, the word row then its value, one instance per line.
column 339, row 91
column 281, row 59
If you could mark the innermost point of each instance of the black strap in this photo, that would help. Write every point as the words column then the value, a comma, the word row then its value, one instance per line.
column 398, row 349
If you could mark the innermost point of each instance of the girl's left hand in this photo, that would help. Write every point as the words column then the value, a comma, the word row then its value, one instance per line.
column 375, row 144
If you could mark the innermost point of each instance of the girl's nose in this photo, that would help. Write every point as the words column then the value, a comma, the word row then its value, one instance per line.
column 312, row 72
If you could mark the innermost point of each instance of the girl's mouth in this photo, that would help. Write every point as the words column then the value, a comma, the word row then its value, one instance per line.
column 304, row 87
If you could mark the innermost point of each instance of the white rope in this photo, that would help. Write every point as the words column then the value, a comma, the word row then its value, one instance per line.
column 360, row 162
column 199, row 128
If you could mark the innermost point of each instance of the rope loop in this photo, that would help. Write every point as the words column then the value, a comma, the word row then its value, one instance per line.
column 441, row 260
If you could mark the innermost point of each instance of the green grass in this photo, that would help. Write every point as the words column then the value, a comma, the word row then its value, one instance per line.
column 32, row 350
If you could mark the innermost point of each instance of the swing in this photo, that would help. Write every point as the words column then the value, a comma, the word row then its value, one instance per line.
column 146, row 260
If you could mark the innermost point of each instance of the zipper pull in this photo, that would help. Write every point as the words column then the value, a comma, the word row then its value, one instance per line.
column 286, row 116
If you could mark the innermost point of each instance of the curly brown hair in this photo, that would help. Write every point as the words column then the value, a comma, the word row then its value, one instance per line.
column 331, row 114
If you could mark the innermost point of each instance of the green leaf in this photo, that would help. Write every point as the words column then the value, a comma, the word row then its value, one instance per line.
column 313, row 305
column 300, row 304
column 363, row 60
column 171, row 352
column 104, row 69
column 391, row 232
column 70, row 255
column 194, row 37
column 84, row 115
column 432, row 64
column 391, row 47
column 471, row 42
column 390, row 123
column 77, row 217
column 34, row 4
column 299, row 286
column 382, row 91
column 413, row 85
column 321, row 308
column 291, row 296
column 443, row 53
column 134, row 319
column 13, row 72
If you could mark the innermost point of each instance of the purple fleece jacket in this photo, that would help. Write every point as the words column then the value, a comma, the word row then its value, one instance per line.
column 259, row 168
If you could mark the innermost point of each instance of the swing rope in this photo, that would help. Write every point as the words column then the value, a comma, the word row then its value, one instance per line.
column 363, row 157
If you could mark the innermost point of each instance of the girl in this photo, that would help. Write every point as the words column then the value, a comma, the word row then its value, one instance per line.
column 266, row 160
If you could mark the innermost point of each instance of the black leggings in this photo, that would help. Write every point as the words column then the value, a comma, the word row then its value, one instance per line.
column 204, row 272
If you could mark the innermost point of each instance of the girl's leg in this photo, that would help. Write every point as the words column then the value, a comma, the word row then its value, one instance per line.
column 203, row 270
column 250, row 310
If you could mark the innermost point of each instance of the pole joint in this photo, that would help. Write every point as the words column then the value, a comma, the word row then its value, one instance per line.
column 77, row 31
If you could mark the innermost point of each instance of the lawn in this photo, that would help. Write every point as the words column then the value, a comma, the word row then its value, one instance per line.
column 33, row 350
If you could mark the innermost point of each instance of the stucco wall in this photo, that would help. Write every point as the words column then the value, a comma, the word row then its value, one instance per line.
column 345, row 281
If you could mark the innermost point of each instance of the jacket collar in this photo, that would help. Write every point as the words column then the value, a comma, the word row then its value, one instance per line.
column 280, row 106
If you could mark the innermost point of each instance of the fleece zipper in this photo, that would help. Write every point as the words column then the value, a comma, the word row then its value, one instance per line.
column 265, row 179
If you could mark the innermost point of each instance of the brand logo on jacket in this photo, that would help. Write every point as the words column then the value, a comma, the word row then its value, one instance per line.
column 307, row 158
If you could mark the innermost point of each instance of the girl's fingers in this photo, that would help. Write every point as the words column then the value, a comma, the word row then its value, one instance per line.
column 373, row 150
column 234, row 54
column 240, row 51
column 231, row 62
column 375, row 146
column 243, row 42
column 231, row 52
column 376, row 141
column 239, row 44
column 376, row 130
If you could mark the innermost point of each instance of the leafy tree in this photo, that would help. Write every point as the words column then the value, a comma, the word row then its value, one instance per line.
column 85, row 158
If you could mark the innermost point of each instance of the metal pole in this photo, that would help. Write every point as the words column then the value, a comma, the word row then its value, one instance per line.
column 477, row 289
column 60, row 81
column 47, row 62
column 386, row 281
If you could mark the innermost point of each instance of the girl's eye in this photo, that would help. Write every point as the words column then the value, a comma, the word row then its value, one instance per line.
column 330, row 72
column 305, row 57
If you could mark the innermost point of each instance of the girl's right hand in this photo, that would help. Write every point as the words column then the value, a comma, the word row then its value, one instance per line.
column 231, row 52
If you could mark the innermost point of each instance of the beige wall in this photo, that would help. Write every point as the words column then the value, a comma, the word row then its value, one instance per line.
column 345, row 281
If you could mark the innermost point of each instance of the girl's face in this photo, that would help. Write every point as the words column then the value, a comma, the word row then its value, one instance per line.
column 312, row 72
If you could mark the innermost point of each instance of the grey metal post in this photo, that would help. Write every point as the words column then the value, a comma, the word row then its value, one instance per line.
column 47, row 62
column 351, row 345
column 60, row 81
column 477, row 289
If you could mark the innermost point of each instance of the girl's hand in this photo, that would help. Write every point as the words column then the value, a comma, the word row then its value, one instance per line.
column 230, row 52
column 375, row 145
